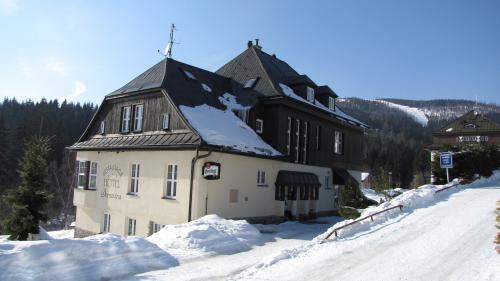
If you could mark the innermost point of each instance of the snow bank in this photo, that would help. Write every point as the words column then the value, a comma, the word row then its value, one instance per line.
column 224, row 128
column 415, row 113
column 423, row 196
column 210, row 233
column 99, row 257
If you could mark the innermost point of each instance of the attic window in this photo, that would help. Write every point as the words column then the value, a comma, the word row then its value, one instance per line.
column 471, row 126
column 310, row 94
column 250, row 83
column 206, row 87
column 189, row 75
column 331, row 103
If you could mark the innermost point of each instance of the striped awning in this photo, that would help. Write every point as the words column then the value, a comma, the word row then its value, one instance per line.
column 293, row 178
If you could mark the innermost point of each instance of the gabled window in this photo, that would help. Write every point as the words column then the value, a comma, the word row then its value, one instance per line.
column 131, row 226
column 134, row 179
column 250, row 83
column 318, row 137
column 259, row 126
column 304, row 149
column 189, row 75
column 165, row 124
column 339, row 143
column 93, row 175
column 261, row 178
column 331, row 103
column 138, row 117
column 106, row 222
column 171, row 188
column 102, row 128
column 125, row 119
column 310, row 94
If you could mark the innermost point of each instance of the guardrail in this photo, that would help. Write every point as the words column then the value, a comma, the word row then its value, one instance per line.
column 362, row 219
column 445, row 188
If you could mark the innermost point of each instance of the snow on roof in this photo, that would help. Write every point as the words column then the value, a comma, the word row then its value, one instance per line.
column 364, row 176
column 339, row 113
column 449, row 129
column 206, row 87
column 224, row 128
column 415, row 113
column 189, row 75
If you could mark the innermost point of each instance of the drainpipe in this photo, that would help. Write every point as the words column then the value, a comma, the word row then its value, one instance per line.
column 193, row 164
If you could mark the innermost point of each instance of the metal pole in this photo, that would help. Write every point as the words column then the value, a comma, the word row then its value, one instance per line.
column 447, row 175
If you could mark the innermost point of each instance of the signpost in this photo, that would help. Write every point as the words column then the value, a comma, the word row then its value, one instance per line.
column 446, row 162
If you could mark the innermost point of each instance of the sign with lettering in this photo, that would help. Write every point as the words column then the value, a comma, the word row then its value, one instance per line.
column 446, row 160
column 472, row 139
column 211, row 171
column 111, row 182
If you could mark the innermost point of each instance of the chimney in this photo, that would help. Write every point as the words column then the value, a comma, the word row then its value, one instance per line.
column 257, row 43
column 249, row 44
column 273, row 55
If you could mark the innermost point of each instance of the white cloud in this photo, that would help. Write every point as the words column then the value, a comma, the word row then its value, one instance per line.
column 57, row 66
column 9, row 6
column 80, row 88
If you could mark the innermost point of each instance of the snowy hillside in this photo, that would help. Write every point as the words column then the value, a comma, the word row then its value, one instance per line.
column 415, row 113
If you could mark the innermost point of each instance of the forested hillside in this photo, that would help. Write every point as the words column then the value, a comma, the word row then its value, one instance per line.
column 62, row 122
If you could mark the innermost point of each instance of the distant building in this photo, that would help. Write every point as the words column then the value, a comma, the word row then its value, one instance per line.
column 254, row 140
column 470, row 128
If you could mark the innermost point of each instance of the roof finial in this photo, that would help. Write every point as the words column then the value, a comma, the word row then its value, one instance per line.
column 170, row 44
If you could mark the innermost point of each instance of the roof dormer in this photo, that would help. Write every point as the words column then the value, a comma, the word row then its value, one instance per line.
column 326, row 96
column 303, row 86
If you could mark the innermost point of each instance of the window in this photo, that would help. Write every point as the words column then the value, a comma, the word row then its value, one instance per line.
column 106, row 222
column 297, row 140
column 125, row 126
column 189, row 75
column 93, row 175
column 310, row 94
column 171, row 190
column 339, row 141
column 82, row 174
column 470, row 126
column 261, row 178
column 134, row 179
column 259, row 125
column 304, row 149
column 165, row 124
column 131, row 225
column 155, row 227
column 289, row 136
column 250, row 83
column 331, row 103
column 138, row 117
column 327, row 182
column 102, row 128
column 318, row 137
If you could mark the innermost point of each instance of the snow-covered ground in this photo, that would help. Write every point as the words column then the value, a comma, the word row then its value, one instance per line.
column 415, row 113
column 445, row 236
column 373, row 195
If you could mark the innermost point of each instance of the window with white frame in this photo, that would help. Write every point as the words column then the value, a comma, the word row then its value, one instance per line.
column 261, row 178
column 318, row 137
column 134, row 178
column 310, row 94
column 93, row 175
column 106, row 222
column 339, row 141
column 304, row 145
column 331, row 103
column 165, row 124
column 102, row 128
column 171, row 188
column 259, row 126
column 327, row 182
column 289, row 136
column 125, row 126
column 82, row 174
column 138, row 117
column 131, row 226
column 155, row 227
column 297, row 140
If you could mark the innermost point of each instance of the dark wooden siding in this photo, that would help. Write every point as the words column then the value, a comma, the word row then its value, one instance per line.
column 155, row 104
column 275, row 133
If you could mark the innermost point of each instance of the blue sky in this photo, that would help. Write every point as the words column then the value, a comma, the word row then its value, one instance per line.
column 83, row 50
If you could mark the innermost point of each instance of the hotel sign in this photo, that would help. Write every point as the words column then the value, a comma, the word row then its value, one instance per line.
column 111, row 186
column 211, row 171
column 472, row 139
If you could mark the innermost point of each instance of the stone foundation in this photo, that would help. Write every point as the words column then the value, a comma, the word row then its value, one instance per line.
column 81, row 233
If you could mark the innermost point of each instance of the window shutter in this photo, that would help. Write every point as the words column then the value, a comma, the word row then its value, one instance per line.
column 121, row 120
column 76, row 173
column 132, row 118
column 87, row 174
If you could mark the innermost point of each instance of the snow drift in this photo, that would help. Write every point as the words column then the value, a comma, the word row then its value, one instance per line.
column 99, row 257
column 210, row 233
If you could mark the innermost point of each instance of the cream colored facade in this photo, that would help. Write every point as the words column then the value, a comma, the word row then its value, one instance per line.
column 238, row 177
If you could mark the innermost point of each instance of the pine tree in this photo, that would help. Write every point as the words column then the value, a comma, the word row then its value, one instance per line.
column 29, row 200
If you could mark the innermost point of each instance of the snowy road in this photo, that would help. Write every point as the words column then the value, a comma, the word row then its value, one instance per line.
column 450, row 240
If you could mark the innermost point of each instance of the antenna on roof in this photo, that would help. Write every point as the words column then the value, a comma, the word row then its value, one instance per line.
column 170, row 44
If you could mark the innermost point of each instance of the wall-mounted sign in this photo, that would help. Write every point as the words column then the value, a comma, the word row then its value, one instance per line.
column 211, row 171
column 472, row 139
column 111, row 182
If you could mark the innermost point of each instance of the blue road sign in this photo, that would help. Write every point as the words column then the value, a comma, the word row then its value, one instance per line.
column 446, row 160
